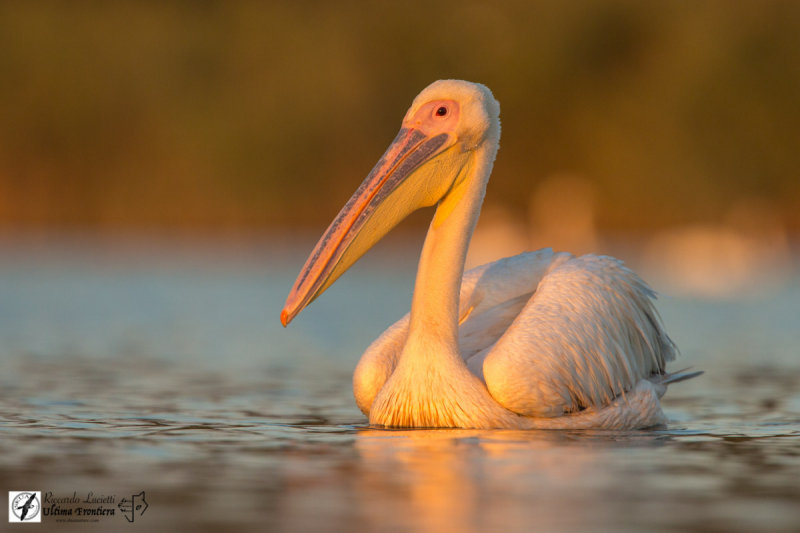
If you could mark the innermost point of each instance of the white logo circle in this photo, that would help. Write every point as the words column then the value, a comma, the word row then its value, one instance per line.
column 25, row 506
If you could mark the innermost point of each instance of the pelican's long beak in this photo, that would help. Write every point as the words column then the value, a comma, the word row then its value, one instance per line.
column 392, row 190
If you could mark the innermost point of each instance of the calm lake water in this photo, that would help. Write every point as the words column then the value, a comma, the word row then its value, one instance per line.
column 162, row 367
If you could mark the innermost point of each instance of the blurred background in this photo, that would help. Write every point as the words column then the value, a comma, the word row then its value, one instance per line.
column 254, row 116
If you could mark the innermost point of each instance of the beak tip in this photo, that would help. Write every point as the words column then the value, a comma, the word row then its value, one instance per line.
column 285, row 318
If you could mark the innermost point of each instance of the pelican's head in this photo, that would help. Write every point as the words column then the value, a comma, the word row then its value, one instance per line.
column 445, row 125
column 467, row 111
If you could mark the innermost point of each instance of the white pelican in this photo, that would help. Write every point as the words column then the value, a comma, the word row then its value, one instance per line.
column 538, row 340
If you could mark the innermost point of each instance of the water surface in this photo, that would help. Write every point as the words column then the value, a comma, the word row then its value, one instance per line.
column 163, row 368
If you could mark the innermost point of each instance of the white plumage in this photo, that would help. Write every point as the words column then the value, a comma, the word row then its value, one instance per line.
column 538, row 340
column 551, row 334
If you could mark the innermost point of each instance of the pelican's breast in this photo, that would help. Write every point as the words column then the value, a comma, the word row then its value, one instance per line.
column 378, row 363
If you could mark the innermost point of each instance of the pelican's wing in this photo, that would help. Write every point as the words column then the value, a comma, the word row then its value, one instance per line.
column 492, row 295
column 588, row 333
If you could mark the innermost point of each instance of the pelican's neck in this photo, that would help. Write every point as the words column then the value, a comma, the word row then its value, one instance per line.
column 434, row 310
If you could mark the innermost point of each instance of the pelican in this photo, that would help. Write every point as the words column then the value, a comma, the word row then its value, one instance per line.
column 538, row 340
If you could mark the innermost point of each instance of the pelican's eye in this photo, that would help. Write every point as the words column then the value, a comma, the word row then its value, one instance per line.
column 441, row 111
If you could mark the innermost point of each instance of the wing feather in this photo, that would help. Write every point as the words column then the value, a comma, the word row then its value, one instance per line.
column 588, row 334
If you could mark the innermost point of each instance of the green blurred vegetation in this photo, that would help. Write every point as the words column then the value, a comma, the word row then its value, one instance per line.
column 253, row 115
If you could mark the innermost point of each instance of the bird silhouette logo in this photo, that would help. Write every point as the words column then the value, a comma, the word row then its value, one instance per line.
column 25, row 506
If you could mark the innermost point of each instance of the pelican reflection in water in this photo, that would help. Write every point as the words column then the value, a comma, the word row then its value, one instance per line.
column 537, row 340
column 474, row 480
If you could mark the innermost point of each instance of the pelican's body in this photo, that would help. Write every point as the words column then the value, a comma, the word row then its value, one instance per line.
column 538, row 340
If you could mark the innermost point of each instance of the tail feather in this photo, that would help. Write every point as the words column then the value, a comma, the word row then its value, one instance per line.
column 675, row 377
column 662, row 380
